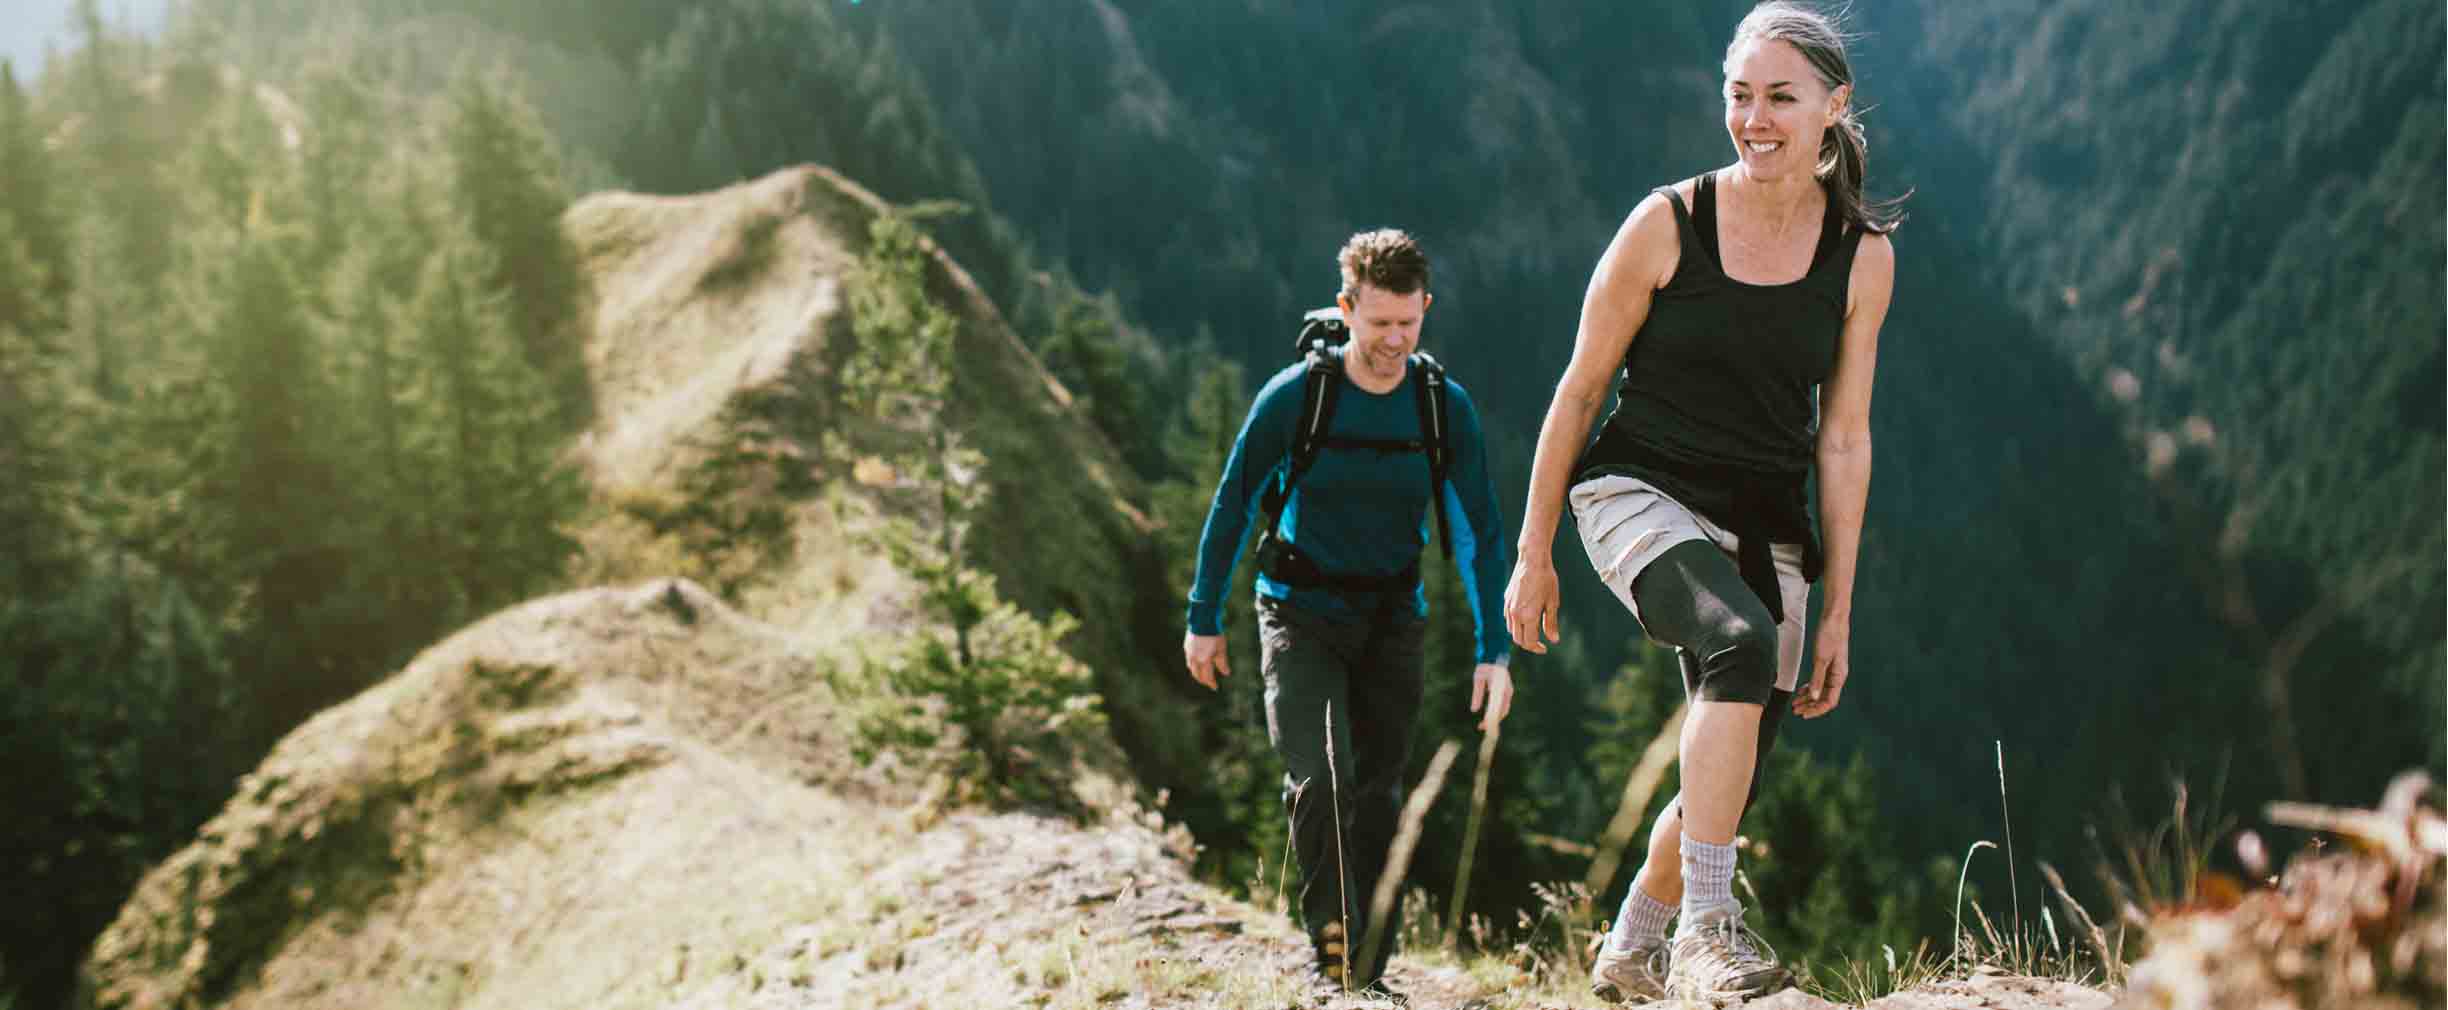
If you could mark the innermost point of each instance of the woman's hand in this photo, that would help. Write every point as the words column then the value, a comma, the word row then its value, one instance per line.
column 1830, row 666
column 1530, row 603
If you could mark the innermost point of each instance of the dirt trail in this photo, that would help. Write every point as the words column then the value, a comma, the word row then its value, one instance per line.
column 1015, row 910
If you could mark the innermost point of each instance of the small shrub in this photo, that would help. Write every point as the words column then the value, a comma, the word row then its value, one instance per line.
column 1004, row 720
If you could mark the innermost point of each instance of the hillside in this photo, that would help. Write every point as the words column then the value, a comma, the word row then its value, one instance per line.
column 2159, row 398
column 2256, row 292
column 637, row 797
column 715, row 342
column 2187, row 632
column 707, row 357
column 644, row 796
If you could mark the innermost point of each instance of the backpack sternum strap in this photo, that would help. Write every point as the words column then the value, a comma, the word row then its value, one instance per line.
column 1320, row 385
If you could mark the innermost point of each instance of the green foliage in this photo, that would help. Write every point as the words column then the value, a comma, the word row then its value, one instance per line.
column 2283, row 291
column 33, row 549
column 481, row 429
column 1821, row 854
column 115, row 691
column 34, row 254
column 1086, row 349
column 265, row 429
column 1019, row 708
column 269, row 477
column 505, row 178
column 2269, row 305
column 901, row 365
column 980, row 666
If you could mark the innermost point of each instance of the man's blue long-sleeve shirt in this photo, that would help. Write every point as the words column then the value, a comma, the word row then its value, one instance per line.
column 1357, row 511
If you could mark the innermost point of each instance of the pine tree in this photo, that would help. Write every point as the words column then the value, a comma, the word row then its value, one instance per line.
column 117, row 724
column 1021, row 706
column 28, row 206
column 34, row 474
column 272, row 473
column 505, row 177
column 338, row 156
column 1085, row 350
column 395, row 594
column 479, row 424
column 121, row 156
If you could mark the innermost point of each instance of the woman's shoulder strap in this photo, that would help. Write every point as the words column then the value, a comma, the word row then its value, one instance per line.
column 1682, row 211
column 1704, row 216
column 1686, row 224
column 1840, row 238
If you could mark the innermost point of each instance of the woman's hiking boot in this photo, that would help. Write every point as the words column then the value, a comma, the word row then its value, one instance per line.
column 1635, row 973
column 1717, row 958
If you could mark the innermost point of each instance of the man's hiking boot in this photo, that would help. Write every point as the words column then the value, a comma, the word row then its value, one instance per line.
column 1332, row 974
column 1637, row 973
column 1381, row 994
column 1717, row 958
column 1333, row 958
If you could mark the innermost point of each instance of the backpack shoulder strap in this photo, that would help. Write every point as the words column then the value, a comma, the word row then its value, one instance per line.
column 1430, row 391
column 1319, row 385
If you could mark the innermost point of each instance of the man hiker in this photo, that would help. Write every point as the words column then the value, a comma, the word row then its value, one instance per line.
column 1345, row 459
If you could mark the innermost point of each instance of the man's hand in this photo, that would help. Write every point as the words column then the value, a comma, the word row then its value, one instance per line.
column 1492, row 684
column 1830, row 665
column 1207, row 658
column 1530, row 604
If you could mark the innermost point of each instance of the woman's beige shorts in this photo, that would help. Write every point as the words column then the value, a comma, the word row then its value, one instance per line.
column 1626, row 523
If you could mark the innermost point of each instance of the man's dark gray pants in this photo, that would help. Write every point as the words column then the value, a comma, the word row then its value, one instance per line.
column 1370, row 674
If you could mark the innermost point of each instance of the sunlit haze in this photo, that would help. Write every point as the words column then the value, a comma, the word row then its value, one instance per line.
column 35, row 25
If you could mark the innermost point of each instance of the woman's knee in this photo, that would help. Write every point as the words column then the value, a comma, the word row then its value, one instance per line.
column 1694, row 599
column 1737, row 654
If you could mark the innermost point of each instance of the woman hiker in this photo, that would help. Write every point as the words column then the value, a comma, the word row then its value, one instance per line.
column 1741, row 309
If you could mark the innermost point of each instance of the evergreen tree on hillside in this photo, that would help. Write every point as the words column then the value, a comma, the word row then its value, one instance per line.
column 118, row 726
column 506, row 179
column 272, row 474
column 28, row 204
column 479, row 433
column 1022, row 707
column 396, row 593
column 115, row 709
column 122, row 143
column 1086, row 350
column 337, row 156
column 34, row 547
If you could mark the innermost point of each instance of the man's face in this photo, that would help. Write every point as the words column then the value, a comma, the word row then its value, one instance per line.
column 1385, row 328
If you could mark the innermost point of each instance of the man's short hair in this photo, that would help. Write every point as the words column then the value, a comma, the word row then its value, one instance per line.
column 1387, row 259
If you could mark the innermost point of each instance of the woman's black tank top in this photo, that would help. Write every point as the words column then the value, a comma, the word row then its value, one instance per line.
column 1718, row 405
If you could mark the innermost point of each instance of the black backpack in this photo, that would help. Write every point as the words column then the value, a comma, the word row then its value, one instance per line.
column 1322, row 330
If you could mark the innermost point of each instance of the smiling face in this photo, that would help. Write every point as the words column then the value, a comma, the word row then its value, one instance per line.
column 1777, row 109
column 1385, row 327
